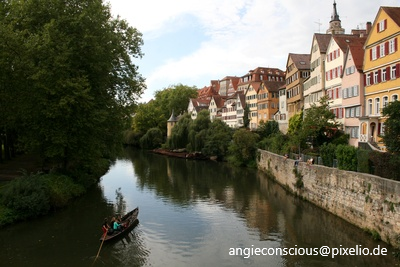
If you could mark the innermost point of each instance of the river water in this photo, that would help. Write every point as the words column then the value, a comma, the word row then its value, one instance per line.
column 192, row 213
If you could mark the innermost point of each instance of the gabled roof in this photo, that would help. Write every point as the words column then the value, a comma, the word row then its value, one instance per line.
column 393, row 13
column 273, row 86
column 343, row 40
column 301, row 61
column 219, row 101
column 323, row 41
column 357, row 53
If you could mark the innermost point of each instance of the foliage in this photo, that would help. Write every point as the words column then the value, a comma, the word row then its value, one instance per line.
column 385, row 164
column 362, row 159
column 198, row 130
column 218, row 139
column 327, row 152
column 242, row 150
column 276, row 143
column 156, row 112
column 27, row 196
column 131, row 138
column 68, row 79
column 246, row 117
column 391, row 138
column 319, row 124
column 149, row 116
column 179, row 135
column 347, row 157
column 154, row 138
column 295, row 123
column 268, row 128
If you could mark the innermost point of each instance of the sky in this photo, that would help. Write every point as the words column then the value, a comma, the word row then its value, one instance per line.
column 192, row 42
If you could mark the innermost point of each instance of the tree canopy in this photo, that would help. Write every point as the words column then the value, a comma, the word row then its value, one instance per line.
column 67, row 79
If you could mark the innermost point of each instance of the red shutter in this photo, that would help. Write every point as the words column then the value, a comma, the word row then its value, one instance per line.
column 378, row 51
column 379, row 76
column 385, row 24
column 397, row 70
column 365, row 79
column 386, row 48
column 395, row 44
column 330, row 74
column 388, row 73
column 370, row 54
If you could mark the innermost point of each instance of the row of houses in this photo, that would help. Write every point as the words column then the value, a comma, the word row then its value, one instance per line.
column 360, row 72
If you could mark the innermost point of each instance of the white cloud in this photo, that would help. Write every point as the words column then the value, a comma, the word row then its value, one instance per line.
column 241, row 34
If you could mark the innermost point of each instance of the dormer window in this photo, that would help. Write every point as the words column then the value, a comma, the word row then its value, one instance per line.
column 382, row 25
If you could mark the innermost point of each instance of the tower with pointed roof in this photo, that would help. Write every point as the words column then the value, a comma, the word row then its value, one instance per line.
column 171, row 123
column 335, row 25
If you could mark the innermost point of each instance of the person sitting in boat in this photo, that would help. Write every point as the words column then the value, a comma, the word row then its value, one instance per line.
column 106, row 227
column 117, row 226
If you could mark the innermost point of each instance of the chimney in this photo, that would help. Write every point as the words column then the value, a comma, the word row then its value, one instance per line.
column 369, row 26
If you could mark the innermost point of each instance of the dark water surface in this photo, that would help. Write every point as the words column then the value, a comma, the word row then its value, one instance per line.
column 192, row 213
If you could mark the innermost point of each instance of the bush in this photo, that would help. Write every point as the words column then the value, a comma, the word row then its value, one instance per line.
column 327, row 152
column 243, row 148
column 347, row 157
column 27, row 196
column 152, row 139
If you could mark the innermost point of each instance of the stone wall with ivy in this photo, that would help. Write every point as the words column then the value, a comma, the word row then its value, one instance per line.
column 367, row 201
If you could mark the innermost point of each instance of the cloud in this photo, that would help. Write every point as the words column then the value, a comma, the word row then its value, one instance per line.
column 219, row 38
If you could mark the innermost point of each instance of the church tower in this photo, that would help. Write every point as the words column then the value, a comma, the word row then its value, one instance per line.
column 335, row 26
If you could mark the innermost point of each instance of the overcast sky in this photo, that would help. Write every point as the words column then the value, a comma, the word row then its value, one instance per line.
column 195, row 41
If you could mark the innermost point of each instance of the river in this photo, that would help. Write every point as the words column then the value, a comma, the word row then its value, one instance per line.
column 192, row 213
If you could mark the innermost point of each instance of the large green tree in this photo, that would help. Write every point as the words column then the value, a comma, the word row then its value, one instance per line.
column 156, row 112
column 319, row 124
column 391, row 138
column 70, row 80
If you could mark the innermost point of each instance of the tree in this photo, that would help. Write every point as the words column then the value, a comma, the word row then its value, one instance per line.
column 218, row 139
column 243, row 147
column 156, row 112
column 72, row 77
column 198, row 130
column 319, row 124
column 267, row 128
column 246, row 117
column 391, row 138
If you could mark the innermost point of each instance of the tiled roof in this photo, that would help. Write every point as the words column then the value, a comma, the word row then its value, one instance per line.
column 357, row 52
column 323, row 41
column 343, row 40
column 301, row 61
column 273, row 86
column 393, row 13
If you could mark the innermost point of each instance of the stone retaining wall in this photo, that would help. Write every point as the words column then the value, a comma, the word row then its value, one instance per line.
column 367, row 201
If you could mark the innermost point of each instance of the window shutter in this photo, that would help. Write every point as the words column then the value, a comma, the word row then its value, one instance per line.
column 377, row 27
column 387, row 73
column 386, row 48
column 379, row 76
column 385, row 24
column 395, row 44
column 378, row 51
column 365, row 79
column 370, row 54
column 397, row 70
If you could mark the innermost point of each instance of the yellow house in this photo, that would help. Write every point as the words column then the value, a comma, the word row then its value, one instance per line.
column 381, row 72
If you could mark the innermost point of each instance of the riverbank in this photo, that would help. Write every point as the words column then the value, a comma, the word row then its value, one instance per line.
column 14, row 167
column 369, row 202
column 180, row 154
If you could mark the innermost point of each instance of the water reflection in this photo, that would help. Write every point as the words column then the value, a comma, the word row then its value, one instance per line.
column 191, row 214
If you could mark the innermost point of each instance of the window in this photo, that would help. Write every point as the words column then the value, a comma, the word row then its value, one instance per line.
column 382, row 50
column 377, row 106
column 370, row 106
column 394, row 98
column 375, row 77
column 373, row 53
column 383, row 72
column 392, row 46
column 382, row 25
column 385, row 101
column 368, row 79
column 393, row 72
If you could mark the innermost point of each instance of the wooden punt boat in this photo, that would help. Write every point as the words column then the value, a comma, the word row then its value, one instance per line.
column 130, row 220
